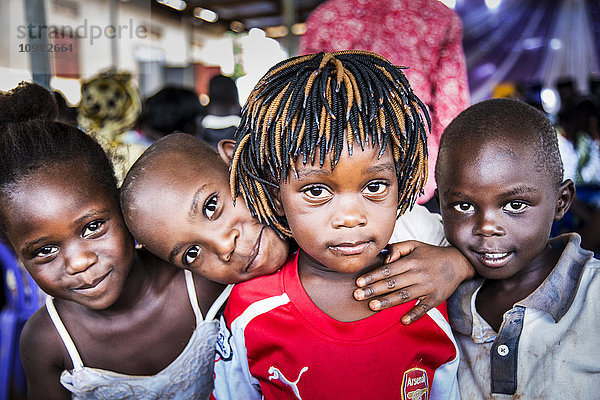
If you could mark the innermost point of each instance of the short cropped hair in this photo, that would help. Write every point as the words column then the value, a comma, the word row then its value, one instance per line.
column 176, row 143
column 495, row 119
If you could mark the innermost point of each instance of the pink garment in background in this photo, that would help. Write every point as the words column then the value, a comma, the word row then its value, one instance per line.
column 424, row 35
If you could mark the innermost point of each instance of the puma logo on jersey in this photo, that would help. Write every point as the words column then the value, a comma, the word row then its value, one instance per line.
column 275, row 373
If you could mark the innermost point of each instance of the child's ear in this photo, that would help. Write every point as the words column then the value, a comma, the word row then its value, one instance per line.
column 566, row 192
column 226, row 148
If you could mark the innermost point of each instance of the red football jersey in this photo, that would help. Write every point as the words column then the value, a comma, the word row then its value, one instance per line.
column 275, row 342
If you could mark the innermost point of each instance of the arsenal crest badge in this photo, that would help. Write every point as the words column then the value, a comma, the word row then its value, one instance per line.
column 415, row 385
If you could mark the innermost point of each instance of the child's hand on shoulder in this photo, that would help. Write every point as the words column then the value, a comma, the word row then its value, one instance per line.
column 414, row 270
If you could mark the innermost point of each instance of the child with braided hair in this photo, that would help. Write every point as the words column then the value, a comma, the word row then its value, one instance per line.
column 331, row 149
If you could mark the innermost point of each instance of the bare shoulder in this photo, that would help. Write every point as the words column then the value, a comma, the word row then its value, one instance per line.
column 44, row 357
column 40, row 336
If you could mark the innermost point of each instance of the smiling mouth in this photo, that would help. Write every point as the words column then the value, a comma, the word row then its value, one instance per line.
column 350, row 249
column 256, row 252
column 494, row 259
column 93, row 285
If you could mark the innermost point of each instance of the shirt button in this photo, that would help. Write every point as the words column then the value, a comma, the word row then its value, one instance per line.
column 503, row 350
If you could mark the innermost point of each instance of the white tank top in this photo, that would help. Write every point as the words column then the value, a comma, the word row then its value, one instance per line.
column 189, row 376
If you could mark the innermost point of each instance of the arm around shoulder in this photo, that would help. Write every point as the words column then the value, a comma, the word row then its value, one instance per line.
column 421, row 265
column 415, row 270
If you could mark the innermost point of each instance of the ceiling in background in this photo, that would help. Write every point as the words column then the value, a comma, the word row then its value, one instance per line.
column 243, row 15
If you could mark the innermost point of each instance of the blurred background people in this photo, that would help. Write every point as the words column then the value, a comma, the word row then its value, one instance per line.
column 66, row 113
column 222, row 112
column 172, row 109
column 578, row 122
column 109, row 108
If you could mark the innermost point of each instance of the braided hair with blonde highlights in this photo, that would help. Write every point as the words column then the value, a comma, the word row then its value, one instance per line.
column 318, row 101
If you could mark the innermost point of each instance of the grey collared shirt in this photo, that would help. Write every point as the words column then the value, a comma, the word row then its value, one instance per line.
column 548, row 346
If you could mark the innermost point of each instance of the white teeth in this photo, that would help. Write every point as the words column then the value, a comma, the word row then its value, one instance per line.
column 495, row 255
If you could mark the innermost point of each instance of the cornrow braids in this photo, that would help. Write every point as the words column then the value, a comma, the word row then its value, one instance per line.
column 317, row 101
